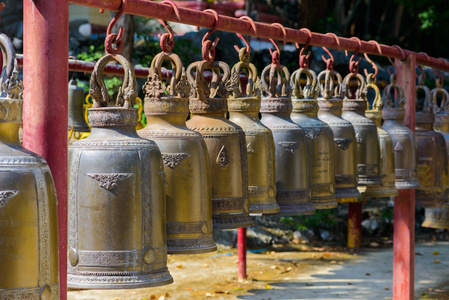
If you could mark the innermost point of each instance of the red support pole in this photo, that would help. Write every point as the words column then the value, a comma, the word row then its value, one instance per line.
column 241, row 247
column 404, row 204
column 354, row 225
column 45, row 73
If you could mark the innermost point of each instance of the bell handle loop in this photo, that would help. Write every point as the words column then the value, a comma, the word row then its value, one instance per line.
column 127, row 92
column 9, row 58
column 176, row 64
column 444, row 105
column 377, row 102
column 399, row 101
column 361, row 89
column 252, row 74
column 308, row 91
column 276, row 87
column 429, row 105
column 329, row 88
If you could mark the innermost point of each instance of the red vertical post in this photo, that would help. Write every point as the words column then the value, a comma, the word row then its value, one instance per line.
column 354, row 225
column 45, row 73
column 404, row 204
column 241, row 249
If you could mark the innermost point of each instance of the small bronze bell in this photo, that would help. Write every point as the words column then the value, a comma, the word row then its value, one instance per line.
column 437, row 217
column 330, row 112
column 292, row 169
column 186, row 161
column 388, row 188
column 243, row 110
column 116, row 213
column 320, row 140
column 441, row 124
column 76, row 111
column 432, row 155
column 225, row 143
column 368, row 149
column 28, row 214
column 404, row 145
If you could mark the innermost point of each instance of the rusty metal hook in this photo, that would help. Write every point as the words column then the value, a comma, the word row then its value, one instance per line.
column 354, row 65
column 167, row 39
column 304, row 59
column 376, row 69
column 251, row 21
column 403, row 55
column 247, row 44
column 208, row 48
column 113, row 38
column 337, row 40
column 329, row 61
column 175, row 8
column 421, row 77
column 276, row 55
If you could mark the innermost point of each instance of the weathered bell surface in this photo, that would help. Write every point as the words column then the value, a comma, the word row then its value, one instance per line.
column 116, row 213
column 28, row 213
column 225, row 143
column 319, row 138
column 244, row 105
column 76, row 110
column 185, row 157
column 441, row 124
column 432, row 155
column 404, row 145
column 437, row 217
column 388, row 188
column 331, row 104
column 368, row 149
column 292, row 167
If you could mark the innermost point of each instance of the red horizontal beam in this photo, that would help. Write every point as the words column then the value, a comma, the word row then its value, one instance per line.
column 157, row 10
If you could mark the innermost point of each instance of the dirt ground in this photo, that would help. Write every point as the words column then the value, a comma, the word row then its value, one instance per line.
column 292, row 273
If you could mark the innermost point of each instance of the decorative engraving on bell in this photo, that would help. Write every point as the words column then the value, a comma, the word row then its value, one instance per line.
column 185, row 157
column 367, row 141
column 225, row 143
column 28, row 204
column 432, row 154
column 437, row 217
column 387, row 173
column 116, row 213
column 292, row 166
column 403, row 139
column 319, row 138
column 331, row 104
column 244, row 105
column 76, row 110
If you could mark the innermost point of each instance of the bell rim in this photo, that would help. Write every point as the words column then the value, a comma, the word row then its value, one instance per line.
column 299, row 209
column 242, row 220
column 264, row 208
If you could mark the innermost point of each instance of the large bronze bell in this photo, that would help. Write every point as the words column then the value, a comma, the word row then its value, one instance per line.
column 331, row 104
column 388, row 188
column 76, row 110
column 28, row 214
column 225, row 143
column 292, row 169
column 441, row 124
column 116, row 213
column 432, row 155
column 244, row 105
column 186, row 161
column 320, row 140
column 368, row 149
column 437, row 217
column 404, row 145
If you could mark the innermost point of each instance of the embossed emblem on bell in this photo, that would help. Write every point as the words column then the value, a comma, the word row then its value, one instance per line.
column 404, row 145
column 76, row 110
column 319, row 138
column 225, row 142
column 387, row 173
column 367, row 141
column 292, row 166
column 116, row 209
column 437, row 217
column 432, row 154
column 244, row 105
column 331, row 104
column 185, row 157
column 28, row 204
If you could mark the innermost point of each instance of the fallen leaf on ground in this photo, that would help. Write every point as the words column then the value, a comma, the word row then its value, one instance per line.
column 326, row 254
column 268, row 287
column 333, row 262
column 179, row 266
column 435, row 252
column 417, row 253
column 374, row 244
column 152, row 297
column 368, row 274
column 309, row 284
column 437, row 261
column 132, row 293
column 387, row 288
column 205, row 266
column 189, row 289
column 349, row 283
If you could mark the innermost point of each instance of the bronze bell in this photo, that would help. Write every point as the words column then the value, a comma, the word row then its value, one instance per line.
column 116, row 213
column 292, row 167
column 388, row 188
column 185, row 157
column 225, row 143
column 432, row 155
column 437, row 217
column 319, row 137
column 441, row 124
column 368, row 148
column 76, row 110
column 404, row 145
column 28, row 213
column 244, row 105
column 330, row 112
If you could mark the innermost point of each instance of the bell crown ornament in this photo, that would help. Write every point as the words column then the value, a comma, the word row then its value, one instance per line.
column 224, row 139
column 244, row 104
column 188, row 198
column 116, row 221
column 28, row 203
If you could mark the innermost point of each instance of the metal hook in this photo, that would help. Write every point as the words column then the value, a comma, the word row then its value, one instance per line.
column 276, row 55
column 337, row 40
column 175, row 8
column 247, row 44
column 167, row 39
column 354, row 65
column 374, row 75
column 112, row 38
column 403, row 55
column 251, row 21
column 208, row 48
column 329, row 61
column 421, row 77
column 304, row 59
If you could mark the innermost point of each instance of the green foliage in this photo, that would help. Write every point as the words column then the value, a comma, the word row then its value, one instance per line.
column 323, row 218
column 93, row 54
column 427, row 18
